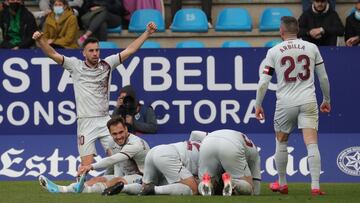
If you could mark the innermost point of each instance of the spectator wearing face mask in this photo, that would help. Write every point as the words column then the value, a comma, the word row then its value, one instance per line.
column 61, row 28
column 352, row 27
column 320, row 24
column 17, row 25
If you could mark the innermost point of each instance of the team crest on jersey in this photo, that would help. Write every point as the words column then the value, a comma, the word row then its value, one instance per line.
column 348, row 161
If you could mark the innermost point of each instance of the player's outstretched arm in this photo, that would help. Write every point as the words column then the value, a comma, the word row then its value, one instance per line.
column 135, row 45
column 46, row 48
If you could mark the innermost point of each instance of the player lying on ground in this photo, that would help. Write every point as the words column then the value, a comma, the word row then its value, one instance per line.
column 169, row 170
column 234, row 157
column 129, row 152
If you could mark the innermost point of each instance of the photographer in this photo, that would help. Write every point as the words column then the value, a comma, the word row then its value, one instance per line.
column 139, row 118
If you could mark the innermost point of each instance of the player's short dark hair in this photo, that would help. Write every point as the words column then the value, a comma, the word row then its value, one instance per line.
column 65, row 2
column 290, row 24
column 90, row 40
column 114, row 121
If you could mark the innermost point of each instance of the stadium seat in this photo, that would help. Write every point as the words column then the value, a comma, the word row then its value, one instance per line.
column 352, row 10
column 117, row 29
column 234, row 44
column 189, row 20
column 140, row 18
column 190, row 44
column 150, row 44
column 233, row 19
column 270, row 18
column 272, row 43
column 108, row 45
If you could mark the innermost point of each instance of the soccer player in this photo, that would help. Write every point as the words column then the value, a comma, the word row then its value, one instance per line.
column 129, row 152
column 91, row 86
column 231, row 155
column 294, row 62
column 169, row 170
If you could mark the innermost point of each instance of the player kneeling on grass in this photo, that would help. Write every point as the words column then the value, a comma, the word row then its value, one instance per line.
column 129, row 152
column 169, row 169
column 234, row 155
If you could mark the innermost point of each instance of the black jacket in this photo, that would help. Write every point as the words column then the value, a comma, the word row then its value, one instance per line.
column 352, row 27
column 329, row 21
column 113, row 6
column 27, row 28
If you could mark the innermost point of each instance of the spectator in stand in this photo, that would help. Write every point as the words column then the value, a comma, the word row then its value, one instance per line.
column 139, row 118
column 205, row 6
column 131, row 6
column 17, row 25
column 99, row 16
column 306, row 4
column 61, row 28
column 45, row 5
column 352, row 27
column 320, row 24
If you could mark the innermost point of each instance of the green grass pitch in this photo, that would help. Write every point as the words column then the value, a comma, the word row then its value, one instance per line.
column 31, row 191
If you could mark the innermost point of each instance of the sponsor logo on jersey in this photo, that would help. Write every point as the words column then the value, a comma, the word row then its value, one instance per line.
column 348, row 161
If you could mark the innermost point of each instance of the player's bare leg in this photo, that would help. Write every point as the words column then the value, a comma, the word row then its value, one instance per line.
column 314, row 159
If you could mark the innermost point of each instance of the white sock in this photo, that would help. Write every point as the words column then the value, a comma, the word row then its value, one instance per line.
column 173, row 189
column 281, row 160
column 96, row 188
column 132, row 189
column 314, row 161
column 66, row 189
column 242, row 187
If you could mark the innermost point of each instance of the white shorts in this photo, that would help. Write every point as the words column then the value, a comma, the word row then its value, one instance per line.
column 218, row 154
column 134, row 178
column 161, row 162
column 89, row 130
column 303, row 116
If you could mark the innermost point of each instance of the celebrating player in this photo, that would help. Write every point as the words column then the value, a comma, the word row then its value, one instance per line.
column 129, row 152
column 294, row 62
column 230, row 154
column 169, row 170
column 91, row 86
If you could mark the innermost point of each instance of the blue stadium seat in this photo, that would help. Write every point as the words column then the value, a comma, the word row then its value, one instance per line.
column 150, row 44
column 234, row 44
column 117, row 29
column 270, row 18
column 233, row 19
column 272, row 43
column 353, row 9
column 190, row 44
column 108, row 45
column 189, row 20
column 140, row 18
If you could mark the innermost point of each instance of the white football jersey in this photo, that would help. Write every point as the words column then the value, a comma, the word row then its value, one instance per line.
column 91, row 85
column 294, row 62
column 241, row 141
column 189, row 154
column 127, row 159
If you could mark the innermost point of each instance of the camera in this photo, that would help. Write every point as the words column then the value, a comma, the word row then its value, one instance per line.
column 128, row 107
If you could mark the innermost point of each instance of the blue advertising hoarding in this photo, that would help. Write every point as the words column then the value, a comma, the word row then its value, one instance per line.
column 204, row 89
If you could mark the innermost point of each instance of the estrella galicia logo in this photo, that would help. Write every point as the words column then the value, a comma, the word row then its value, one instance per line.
column 348, row 161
